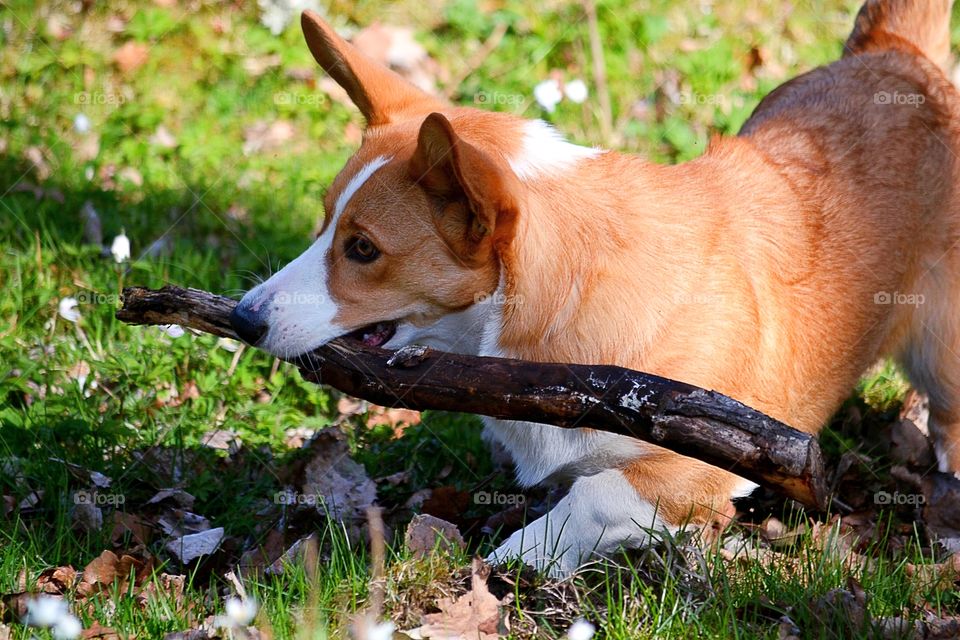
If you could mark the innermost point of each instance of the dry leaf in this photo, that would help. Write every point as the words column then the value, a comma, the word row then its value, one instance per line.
column 96, row 630
column 339, row 484
column 426, row 534
column 131, row 56
column 99, row 574
column 190, row 547
column 476, row 615
column 56, row 580
column 264, row 136
column 138, row 528
column 222, row 440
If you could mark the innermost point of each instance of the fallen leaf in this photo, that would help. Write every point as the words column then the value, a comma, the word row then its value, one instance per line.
column 38, row 160
column 99, row 574
column 176, row 496
column 300, row 549
column 163, row 138
column 188, row 548
column 86, row 517
column 396, row 47
column 179, row 522
column 123, row 523
column 397, row 419
column 939, row 575
column 427, row 534
column 57, row 580
column 163, row 589
column 264, row 136
column 341, row 485
column 941, row 493
column 96, row 630
column 222, row 440
column 475, row 615
column 131, row 56
column 258, row 65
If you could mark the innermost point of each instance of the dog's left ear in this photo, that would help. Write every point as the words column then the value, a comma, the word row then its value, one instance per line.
column 477, row 193
column 381, row 94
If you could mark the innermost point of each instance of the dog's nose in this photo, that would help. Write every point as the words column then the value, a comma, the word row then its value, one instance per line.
column 248, row 324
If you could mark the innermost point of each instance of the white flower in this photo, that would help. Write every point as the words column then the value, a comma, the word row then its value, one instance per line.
column 45, row 611
column 120, row 248
column 380, row 631
column 581, row 630
column 67, row 628
column 548, row 94
column 576, row 90
column 228, row 344
column 53, row 613
column 275, row 19
column 277, row 14
column 81, row 123
column 68, row 309
column 172, row 330
column 240, row 613
column 367, row 627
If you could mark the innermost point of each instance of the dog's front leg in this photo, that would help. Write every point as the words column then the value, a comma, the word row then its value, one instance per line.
column 601, row 513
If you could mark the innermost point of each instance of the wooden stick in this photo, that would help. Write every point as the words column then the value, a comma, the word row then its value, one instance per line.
column 692, row 421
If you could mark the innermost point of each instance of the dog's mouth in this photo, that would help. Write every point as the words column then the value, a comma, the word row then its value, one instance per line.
column 375, row 335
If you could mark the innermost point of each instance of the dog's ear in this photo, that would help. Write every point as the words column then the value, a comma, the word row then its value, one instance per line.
column 379, row 93
column 478, row 194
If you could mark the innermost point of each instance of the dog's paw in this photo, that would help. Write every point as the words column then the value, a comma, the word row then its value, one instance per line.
column 523, row 545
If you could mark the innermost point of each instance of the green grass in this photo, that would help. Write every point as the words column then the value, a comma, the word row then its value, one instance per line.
column 208, row 215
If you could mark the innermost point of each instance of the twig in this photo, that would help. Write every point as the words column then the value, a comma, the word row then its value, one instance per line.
column 689, row 420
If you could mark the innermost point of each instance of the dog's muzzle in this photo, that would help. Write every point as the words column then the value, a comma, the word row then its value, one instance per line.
column 250, row 325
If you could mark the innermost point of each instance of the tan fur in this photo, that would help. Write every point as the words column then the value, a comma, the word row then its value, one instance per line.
column 752, row 270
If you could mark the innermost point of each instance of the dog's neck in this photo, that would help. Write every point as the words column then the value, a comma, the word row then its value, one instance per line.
column 606, row 215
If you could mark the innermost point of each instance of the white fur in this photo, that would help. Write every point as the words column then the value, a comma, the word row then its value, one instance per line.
column 302, row 312
column 541, row 451
column 599, row 515
column 459, row 332
column 546, row 153
column 354, row 185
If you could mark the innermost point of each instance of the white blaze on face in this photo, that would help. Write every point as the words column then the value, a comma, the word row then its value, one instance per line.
column 296, row 301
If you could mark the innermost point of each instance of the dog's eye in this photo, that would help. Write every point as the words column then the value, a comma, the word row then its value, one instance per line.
column 360, row 248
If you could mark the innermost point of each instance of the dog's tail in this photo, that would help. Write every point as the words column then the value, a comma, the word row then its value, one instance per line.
column 913, row 26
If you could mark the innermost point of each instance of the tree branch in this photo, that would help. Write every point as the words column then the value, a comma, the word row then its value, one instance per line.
column 692, row 421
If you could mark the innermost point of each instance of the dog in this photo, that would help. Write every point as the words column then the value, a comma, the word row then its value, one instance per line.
column 775, row 268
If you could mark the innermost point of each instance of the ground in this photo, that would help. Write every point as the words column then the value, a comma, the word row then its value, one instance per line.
column 207, row 139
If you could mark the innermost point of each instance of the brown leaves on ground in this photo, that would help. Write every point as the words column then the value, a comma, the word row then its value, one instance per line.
column 131, row 573
column 476, row 615
column 396, row 418
column 427, row 534
column 131, row 56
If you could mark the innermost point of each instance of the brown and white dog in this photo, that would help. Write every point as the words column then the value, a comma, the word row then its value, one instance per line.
column 774, row 268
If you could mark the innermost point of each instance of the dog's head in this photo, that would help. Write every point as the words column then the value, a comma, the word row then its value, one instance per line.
column 415, row 222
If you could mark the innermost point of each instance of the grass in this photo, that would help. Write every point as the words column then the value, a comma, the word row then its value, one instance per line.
column 109, row 397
